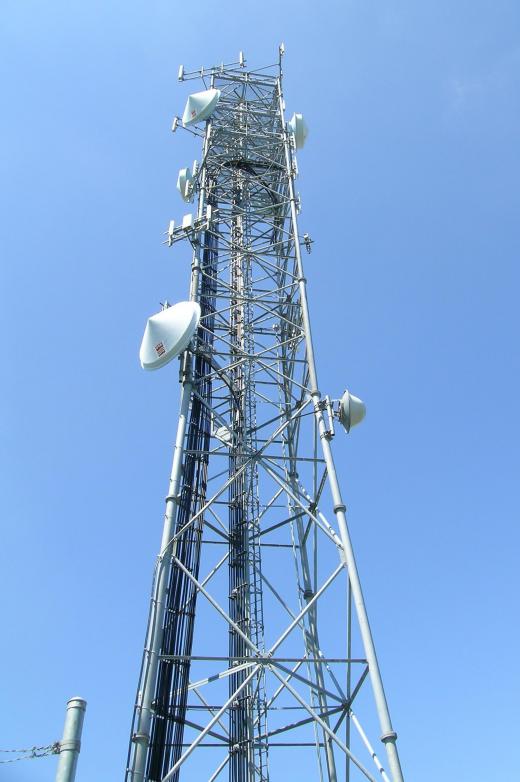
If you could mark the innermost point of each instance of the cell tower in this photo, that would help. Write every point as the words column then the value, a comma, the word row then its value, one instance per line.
column 258, row 652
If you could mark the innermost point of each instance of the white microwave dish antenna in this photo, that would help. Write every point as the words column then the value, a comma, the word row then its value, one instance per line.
column 200, row 106
column 299, row 129
column 168, row 333
column 184, row 181
column 352, row 410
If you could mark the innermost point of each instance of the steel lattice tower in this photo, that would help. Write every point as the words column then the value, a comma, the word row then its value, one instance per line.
column 258, row 651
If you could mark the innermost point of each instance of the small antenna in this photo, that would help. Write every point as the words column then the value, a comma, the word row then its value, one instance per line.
column 281, row 52
column 242, row 59
column 170, row 232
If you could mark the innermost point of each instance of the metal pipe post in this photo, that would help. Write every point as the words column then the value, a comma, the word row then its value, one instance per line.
column 71, row 742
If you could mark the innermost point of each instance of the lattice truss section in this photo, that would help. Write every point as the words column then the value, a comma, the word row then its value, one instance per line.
column 255, row 661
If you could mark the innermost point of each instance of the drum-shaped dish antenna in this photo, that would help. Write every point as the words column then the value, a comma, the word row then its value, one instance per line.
column 168, row 333
column 200, row 106
column 351, row 410
column 299, row 129
column 184, row 184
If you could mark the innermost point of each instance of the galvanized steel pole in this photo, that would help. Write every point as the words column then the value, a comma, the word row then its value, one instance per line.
column 71, row 742
column 389, row 736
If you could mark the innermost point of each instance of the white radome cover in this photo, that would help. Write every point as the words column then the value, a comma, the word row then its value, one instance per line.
column 352, row 410
column 299, row 129
column 200, row 106
column 168, row 333
column 183, row 183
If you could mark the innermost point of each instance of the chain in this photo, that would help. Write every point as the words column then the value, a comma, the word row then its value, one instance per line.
column 32, row 752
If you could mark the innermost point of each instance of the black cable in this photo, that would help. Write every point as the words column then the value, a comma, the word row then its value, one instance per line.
column 167, row 730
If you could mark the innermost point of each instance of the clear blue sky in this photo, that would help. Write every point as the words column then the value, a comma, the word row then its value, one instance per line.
column 410, row 187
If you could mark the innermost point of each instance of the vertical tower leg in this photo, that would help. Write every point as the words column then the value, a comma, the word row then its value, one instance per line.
column 389, row 736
